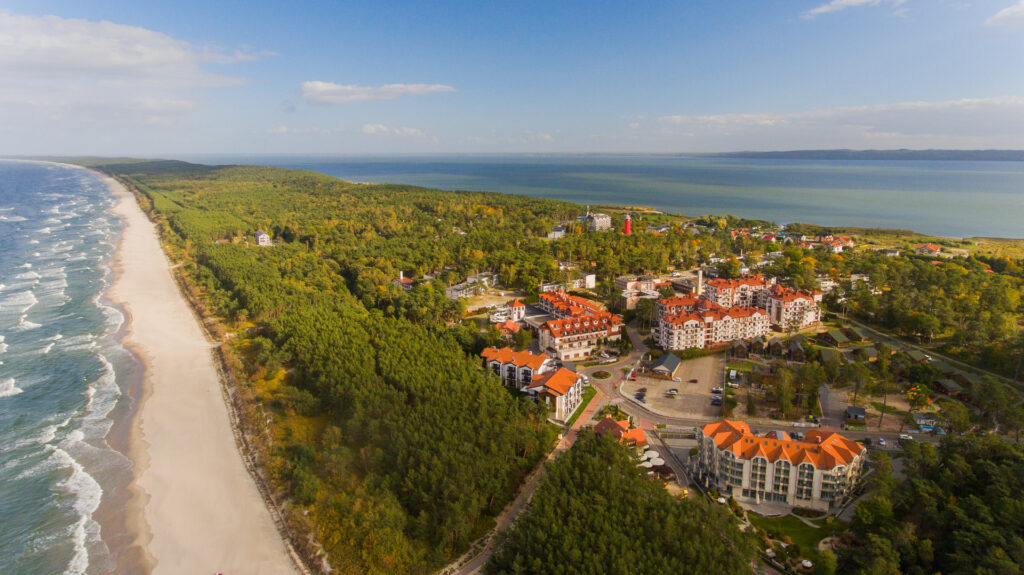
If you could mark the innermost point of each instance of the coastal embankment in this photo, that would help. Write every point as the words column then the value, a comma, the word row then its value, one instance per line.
column 195, row 507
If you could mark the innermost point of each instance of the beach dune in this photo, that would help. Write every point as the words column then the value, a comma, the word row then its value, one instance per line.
column 201, row 512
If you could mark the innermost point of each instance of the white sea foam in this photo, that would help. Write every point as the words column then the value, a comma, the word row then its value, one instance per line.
column 33, row 241
column 12, row 219
column 87, row 494
column 7, row 388
column 25, row 325
column 27, row 276
column 20, row 301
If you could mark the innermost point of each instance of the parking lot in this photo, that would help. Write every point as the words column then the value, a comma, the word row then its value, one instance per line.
column 694, row 399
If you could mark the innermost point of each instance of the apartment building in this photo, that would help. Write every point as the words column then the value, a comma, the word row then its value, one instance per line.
column 744, row 291
column 790, row 309
column 562, row 305
column 817, row 472
column 577, row 337
column 535, row 374
column 709, row 325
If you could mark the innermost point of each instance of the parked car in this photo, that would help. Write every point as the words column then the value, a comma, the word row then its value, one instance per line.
column 866, row 441
column 673, row 390
column 604, row 355
column 677, row 379
column 731, row 384
column 716, row 390
column 716, row 400
column 881, row 442
column 906, row 437
column 642, row 390
column 694, row 380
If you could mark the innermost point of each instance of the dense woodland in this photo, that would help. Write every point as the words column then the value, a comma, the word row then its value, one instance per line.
column 596, row 513
column 960, row 511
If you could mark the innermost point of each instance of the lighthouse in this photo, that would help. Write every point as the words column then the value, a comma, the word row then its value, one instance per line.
column 627, row 230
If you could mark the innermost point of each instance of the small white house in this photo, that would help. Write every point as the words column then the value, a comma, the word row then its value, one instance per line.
column 262, row 238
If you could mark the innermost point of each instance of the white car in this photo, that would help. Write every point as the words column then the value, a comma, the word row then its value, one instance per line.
column 881, row 442
column 677, row 379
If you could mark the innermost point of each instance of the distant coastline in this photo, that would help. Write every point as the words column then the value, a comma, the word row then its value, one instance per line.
column 904, row 154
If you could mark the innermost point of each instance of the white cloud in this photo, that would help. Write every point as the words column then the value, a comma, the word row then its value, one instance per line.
column 839, row 5
column 382, row 130
column 74, row 70
column 330, row 93
column 1010, row 17
column 967, row 123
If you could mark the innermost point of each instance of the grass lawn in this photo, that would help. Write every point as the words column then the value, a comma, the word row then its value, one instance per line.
column 802, row 534
column 588, row 394
column 745, row 367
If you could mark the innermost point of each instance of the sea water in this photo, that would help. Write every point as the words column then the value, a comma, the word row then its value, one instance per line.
column 946, row 198
column 63, row 372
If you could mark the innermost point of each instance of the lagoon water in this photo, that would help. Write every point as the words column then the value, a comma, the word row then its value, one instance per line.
column 63, row 373
column 958, row 199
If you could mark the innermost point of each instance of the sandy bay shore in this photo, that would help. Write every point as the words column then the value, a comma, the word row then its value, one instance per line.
column 194, row 508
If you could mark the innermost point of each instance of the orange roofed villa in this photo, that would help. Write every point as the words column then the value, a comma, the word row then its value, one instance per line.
column 581, row 326
column 621, row 432
column 815, row 473
column 536, row 375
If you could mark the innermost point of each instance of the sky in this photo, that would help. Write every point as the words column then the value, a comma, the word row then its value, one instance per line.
column 152, row 78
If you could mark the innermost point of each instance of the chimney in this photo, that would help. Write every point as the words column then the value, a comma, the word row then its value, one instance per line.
column 700, row 281
column 401, row 275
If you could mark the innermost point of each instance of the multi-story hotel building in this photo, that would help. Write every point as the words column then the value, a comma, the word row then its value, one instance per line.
column 815, row 473
column 709, row 325
column 578, row 337
column 745, row 291
column 580, row 327
column 536, row 374
column 790, row 309
column 562, row 305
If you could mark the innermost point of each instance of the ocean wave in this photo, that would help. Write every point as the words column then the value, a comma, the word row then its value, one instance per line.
column 7, row 388
column 3, row 346
column 87, row 494
column 27, row 276
column 25, row 325
column 102, row 394
column 12, row 219
column 20, row 301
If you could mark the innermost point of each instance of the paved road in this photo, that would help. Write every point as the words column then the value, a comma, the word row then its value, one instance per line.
column 899, row 343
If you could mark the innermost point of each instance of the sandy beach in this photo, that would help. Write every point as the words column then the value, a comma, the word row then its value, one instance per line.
column 196, row 509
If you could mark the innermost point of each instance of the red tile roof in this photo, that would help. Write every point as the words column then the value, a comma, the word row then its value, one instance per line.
column 620, row 430
column 570, row 305
column 755, row 280
column 517, row 303
column 505, row 355
column 823, row 450
column 602, row 321
column 557, row 382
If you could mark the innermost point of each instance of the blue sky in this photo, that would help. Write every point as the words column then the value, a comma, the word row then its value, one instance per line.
column 152, row 78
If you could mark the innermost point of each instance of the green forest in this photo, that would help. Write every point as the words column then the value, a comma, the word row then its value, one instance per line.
column 960, row 511
column 596, row 513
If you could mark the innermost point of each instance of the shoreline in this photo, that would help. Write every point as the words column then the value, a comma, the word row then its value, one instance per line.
column 191, row 506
